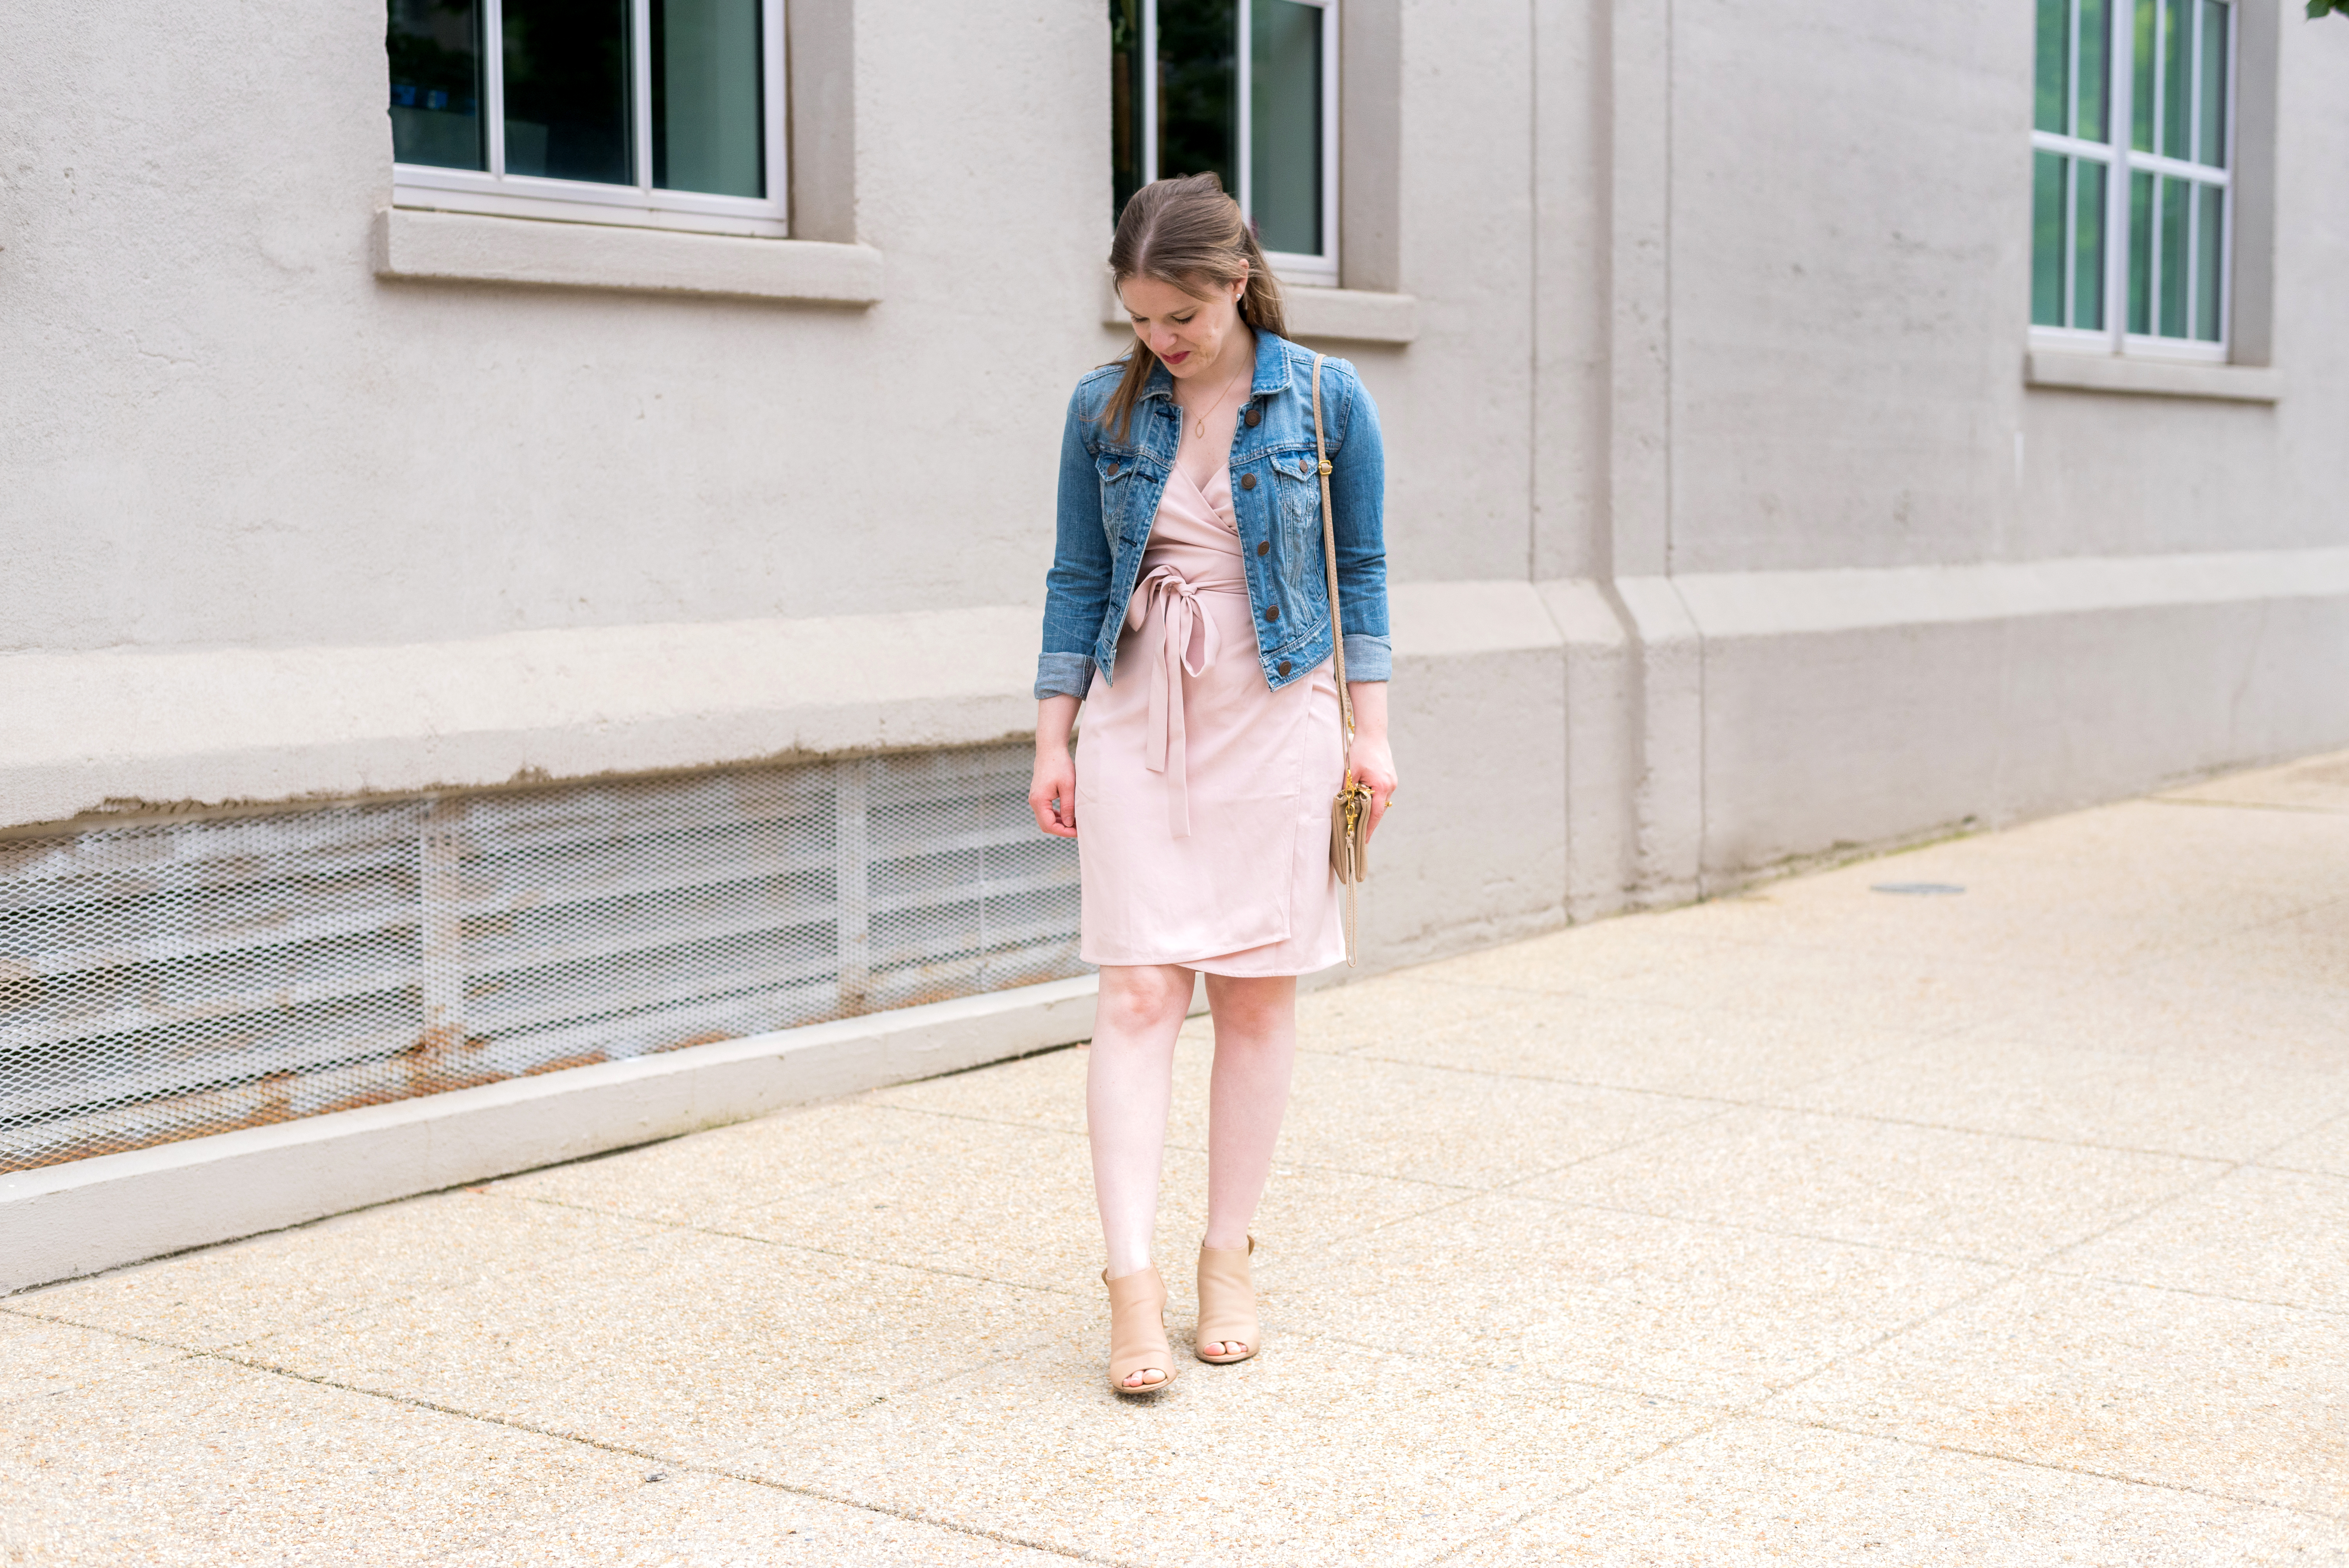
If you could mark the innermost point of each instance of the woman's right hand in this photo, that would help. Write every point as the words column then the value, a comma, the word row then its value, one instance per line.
column 1052, row 787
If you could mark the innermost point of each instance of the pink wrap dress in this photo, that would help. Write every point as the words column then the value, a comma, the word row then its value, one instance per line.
column 1203, row 795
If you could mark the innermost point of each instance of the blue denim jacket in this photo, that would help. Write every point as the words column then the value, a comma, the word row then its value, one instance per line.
column 1108, row 498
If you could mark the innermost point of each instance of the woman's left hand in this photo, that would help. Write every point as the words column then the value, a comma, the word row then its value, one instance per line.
column 1369, row 761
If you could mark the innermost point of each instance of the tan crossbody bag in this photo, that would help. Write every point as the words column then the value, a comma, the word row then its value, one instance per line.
column 1349, row 813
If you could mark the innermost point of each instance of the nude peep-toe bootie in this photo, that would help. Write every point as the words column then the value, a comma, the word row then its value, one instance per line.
column 1227, row 1303
column 1137, row 1331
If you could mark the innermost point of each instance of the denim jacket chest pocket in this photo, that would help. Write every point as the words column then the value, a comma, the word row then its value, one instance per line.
column 1124, row 483
column 1296, row 493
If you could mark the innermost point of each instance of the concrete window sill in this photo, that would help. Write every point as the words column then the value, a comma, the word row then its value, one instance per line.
column 2152, row 377
column 1334, row 315
column 464, row 247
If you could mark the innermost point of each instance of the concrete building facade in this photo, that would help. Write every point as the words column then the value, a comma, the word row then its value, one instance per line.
column 1739, row 513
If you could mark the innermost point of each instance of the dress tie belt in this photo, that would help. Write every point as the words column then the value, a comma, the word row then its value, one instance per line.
column 1188, row 641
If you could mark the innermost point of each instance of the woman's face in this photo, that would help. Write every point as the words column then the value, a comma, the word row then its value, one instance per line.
column 1188, row 332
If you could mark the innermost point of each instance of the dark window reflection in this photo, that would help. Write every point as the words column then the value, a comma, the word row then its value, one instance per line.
column 1126, row 131
column 567, row 90
column 436, row 92
column 1196, row 101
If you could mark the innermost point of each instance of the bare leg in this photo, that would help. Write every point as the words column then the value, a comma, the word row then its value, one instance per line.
column 1256, row 1047
column 1129, row 1084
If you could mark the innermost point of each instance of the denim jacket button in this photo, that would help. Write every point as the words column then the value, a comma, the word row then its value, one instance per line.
column 1264, row 547
column 1272, row 611
column 1248, row 481
column 1256, row 418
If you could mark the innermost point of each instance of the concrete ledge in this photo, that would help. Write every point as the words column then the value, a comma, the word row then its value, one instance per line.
column 1726, row 604
column 63, row 1221
column 1322, row 315
column 466, row 247
column 280, row 724
column 2152, row 377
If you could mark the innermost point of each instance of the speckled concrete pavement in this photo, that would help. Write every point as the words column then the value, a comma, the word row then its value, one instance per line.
column 1822, row 1224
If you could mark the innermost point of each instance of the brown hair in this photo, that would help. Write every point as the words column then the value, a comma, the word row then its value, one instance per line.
column 1188, row 233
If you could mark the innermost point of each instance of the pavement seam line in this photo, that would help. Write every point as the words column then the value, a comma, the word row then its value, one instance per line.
column 2049, row 1465
column 691, row 1229
column 689, row 1467
column 1572, row 1492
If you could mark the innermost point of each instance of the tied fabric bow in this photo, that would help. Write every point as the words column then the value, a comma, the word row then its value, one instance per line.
column 1188, row 641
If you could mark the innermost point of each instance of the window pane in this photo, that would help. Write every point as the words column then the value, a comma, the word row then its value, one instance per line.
column 567, row 90
column 2172, row 263
column 2095, row 69
column 2141, row 78
column 2177, row 86
column 1198, row 70
column 2087, row 244
column 1285, row 125
column 2210, row 269
column 1125, row 128
column 436, row 84
column 2055, row 65
column 707, row 132
column 2140, row 253
column 2212, row 138
column 2046, row 240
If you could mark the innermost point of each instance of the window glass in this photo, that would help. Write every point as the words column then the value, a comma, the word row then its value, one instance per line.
column 1177, row 72
column 1197, row 71
column 1285, row 125
column 1125, row 128
column 2055, row 66
column 2209, row 236
column 707, row 131
column 2046, row 240
column 2170, row 264
column 436, row 91
column 2130, row 203
column 2142, row 79
column 2141, row 257
column 2087, row 244
column 566, row 88
column 2176, row 100
column 2213, row 131
column 2095, row 66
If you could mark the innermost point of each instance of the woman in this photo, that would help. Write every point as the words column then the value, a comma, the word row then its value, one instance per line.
column 1188, row 574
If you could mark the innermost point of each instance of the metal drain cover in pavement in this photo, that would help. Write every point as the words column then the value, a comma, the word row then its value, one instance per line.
column 1918, row 890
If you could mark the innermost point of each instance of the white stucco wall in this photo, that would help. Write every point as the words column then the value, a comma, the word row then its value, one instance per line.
column 1721, row 312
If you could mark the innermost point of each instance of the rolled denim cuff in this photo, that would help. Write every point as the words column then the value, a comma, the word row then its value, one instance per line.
column 1064, row 674
column 1368, row 657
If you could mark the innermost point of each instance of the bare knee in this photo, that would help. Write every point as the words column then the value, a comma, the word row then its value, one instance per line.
column 1137, row 999
column 1252, row 1009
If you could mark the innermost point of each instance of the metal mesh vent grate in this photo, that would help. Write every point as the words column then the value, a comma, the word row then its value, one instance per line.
column 162, row 981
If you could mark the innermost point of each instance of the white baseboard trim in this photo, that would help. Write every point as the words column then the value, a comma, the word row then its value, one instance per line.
column 64, row 1220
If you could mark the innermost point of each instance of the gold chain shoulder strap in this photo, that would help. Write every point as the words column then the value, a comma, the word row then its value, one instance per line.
column 1350, row 811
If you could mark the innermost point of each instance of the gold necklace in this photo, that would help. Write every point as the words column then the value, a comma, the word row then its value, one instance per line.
column 1200, row 429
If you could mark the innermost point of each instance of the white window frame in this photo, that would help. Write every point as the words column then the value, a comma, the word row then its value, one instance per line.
column 2121, row 159
column 586, row 201
column 1320, row 270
